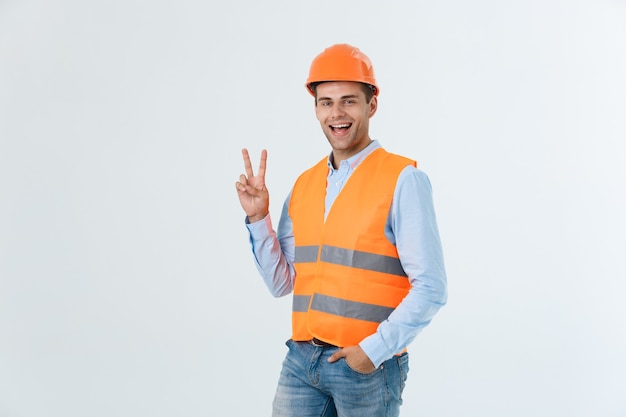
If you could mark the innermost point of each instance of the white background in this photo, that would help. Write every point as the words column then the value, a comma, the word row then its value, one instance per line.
column 127, row 286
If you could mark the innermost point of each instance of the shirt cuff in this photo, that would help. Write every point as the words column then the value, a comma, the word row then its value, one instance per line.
column 375, row 349
column 261, row 229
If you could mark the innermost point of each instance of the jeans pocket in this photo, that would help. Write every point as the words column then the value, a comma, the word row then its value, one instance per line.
column 358, row 372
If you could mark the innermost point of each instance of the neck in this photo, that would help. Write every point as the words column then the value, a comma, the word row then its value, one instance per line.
column 338, row 156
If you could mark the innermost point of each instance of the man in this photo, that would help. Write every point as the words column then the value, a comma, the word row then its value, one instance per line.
column 358, row 245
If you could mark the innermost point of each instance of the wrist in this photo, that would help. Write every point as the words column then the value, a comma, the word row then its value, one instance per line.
column 256, row 217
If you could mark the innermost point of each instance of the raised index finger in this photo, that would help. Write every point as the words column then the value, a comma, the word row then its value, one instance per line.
column 246, row 163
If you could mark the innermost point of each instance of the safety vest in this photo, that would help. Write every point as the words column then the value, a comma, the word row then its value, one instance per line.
column 348, row 275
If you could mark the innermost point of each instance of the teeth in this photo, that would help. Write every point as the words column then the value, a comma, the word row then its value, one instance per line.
column 340, row 126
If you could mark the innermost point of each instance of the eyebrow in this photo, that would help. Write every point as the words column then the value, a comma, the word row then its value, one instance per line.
column 341, row 98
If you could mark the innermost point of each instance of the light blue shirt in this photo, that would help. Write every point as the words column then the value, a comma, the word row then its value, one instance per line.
column 411, row 227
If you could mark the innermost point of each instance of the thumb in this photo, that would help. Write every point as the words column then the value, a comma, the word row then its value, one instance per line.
column 336, row 356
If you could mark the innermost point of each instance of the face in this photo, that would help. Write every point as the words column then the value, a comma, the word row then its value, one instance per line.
column 344, row 115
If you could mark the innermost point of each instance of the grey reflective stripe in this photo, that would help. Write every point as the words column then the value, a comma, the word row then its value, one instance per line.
column 362, row 260
column 350, row 309
column 301, row 303
column 306, row 253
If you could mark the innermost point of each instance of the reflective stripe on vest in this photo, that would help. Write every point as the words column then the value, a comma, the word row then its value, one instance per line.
column 350, row 309
column 301, row 303
column 353, row 258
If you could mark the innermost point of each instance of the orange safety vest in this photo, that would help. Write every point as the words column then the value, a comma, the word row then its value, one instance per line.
column 348, row 275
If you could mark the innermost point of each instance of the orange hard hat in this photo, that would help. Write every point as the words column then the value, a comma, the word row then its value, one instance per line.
column 341, row 62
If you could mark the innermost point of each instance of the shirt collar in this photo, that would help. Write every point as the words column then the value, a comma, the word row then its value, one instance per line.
column 356, row 159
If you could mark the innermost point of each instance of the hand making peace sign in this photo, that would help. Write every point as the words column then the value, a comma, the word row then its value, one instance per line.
column 253, row 194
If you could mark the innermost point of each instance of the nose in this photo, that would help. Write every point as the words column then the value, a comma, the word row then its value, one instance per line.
column 336, row 111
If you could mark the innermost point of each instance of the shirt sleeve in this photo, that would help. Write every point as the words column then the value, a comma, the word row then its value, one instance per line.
column 412, row 227
column 274, row 252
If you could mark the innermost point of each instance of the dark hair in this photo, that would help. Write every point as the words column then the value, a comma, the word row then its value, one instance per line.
column 368, row 90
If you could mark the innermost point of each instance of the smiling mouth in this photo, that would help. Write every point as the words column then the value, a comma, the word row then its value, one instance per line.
column 340, row 128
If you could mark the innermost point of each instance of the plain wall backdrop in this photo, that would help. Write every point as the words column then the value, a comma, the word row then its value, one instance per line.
column 127, row 286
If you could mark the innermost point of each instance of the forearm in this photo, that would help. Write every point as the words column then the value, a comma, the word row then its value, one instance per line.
column 414, row 313
column 272, row 263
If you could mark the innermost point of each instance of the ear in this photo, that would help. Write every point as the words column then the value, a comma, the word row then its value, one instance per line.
column 373, row 106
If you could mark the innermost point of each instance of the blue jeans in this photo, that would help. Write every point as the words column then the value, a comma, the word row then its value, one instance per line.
column 310, row 386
